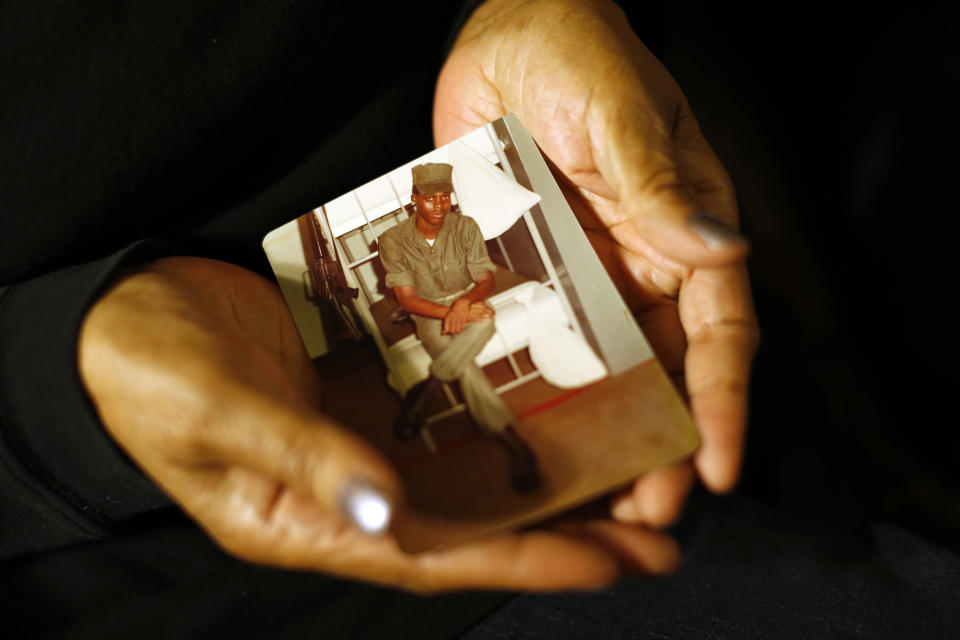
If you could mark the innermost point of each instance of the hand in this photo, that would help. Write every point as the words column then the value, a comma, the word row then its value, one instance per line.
column 197, row 371
column 629, row 154
column 480, row 311
column 458, row 316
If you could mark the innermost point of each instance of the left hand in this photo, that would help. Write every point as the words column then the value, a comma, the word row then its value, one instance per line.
column 629, row 154
column 197, row 372
column 480, row 311
column 458, row 316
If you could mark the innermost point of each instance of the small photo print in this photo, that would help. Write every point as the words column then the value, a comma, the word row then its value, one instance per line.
column 463, row 324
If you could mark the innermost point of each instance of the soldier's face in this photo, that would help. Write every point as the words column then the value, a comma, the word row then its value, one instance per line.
column 432, row 207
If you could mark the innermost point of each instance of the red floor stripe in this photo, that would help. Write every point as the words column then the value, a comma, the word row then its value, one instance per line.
column 456, row 444
column 540, row 408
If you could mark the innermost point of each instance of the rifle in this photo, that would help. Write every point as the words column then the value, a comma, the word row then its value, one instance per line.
column 326, row 277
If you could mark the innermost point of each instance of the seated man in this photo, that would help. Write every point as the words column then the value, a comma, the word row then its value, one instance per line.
column 438, row 266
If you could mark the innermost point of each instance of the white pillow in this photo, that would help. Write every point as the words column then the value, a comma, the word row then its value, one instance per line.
column 486, row 193
column 563, row 358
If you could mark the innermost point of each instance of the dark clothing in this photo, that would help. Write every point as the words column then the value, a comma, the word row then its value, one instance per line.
column 750, row 572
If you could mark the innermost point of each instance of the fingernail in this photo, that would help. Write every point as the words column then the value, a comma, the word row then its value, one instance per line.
column 715, row 234
column 366, row 506
column 715, row 472
column 625, row 509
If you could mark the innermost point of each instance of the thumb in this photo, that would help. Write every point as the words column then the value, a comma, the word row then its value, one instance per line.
column 636, row 156
column 319, row 458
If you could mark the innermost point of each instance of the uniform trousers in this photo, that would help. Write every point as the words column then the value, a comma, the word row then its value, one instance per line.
column 454, row 359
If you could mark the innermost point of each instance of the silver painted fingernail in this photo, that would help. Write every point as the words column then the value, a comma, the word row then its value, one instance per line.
column 366, row 506
column 714, row 233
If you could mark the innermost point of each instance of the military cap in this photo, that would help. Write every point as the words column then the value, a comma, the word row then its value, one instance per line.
column 432, row 177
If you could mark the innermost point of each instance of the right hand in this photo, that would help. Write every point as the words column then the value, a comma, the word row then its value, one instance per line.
column 197, row 371
column 631, row 160
column 480, row 311
column 457, row 317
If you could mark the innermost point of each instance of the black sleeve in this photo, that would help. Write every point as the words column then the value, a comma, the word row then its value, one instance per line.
column 62, row 479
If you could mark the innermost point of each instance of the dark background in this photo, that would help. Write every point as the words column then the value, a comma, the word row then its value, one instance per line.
column 837, row 124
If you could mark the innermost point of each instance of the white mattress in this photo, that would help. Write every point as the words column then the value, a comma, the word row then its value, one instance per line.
column 513, row 329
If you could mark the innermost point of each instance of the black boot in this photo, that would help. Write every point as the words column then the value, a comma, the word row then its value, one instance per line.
column 413, row 409
column 524, row 475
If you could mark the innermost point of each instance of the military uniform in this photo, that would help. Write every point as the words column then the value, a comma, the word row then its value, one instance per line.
column 442, row 273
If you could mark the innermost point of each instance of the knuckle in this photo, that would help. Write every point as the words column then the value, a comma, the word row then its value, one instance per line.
column 719, row 385
column 685, row 124
column 709, row 186
column 744, row 333
column 300, row 461
column 660, row 181
column 196, row 436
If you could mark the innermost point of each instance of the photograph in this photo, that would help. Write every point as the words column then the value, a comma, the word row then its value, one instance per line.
column 544, row 396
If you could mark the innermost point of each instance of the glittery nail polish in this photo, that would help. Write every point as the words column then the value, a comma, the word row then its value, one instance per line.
column 366, row 506
column 714, row 233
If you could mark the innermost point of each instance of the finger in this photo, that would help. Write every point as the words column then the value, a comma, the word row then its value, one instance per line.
column 294, row 530
column 661, row 326
column 720, row 307
column 722, row 337
column 637, row 548
column 656, row 498
column 535, row 560
column 702, row 171
column 571, row 555
column 311, row 454
column 464, row 99
column 636, row 156
column 299, row 533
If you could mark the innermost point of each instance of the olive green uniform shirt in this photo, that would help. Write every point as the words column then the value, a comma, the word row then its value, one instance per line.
column 456, row 260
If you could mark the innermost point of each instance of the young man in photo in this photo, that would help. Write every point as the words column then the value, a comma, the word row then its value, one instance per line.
column 438, row 267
